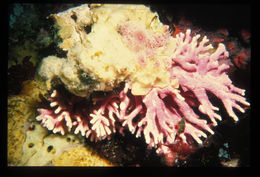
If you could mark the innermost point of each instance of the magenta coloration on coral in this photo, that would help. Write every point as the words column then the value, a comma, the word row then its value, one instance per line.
column 199, row 71
column 159, row 115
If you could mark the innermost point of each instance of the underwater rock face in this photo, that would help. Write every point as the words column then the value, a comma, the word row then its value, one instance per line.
column 153, row 82
column 30, row 144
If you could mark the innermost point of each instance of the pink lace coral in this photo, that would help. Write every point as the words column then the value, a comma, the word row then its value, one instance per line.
column 198, row 71
column 163, row 116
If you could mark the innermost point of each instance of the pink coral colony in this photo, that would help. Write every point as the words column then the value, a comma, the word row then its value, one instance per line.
column 165, row 116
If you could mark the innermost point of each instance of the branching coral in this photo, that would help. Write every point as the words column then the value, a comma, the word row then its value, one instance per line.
column 157, row 114
column 198, row 71
column 163, row 113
